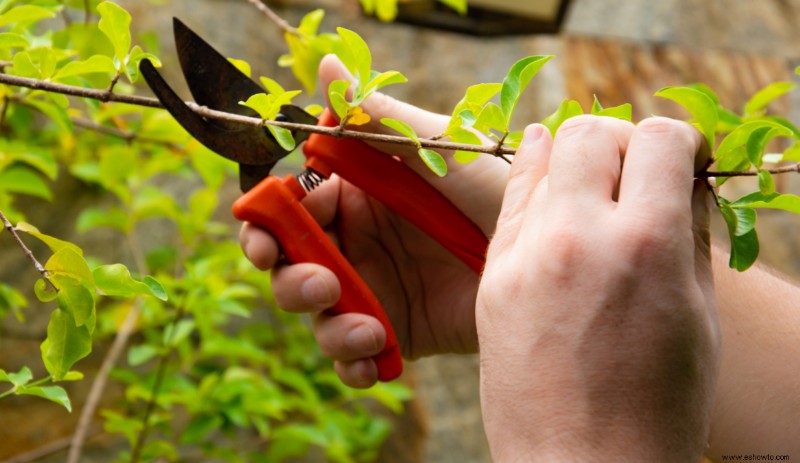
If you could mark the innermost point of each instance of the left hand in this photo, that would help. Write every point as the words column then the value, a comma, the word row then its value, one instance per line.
column 596, row 316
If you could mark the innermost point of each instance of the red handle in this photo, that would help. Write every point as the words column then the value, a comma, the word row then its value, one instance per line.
column 396, row 185
column 274, row 204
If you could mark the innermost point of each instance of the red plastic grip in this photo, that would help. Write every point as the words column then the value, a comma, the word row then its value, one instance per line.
column 274, row 204
column 396, row 185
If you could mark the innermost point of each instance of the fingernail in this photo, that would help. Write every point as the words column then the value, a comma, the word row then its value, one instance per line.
column 316, row 291
column 532, row 134
column 361, row 338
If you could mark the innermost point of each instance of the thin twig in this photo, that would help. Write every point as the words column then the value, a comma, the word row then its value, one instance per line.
column 102, row 95
column 161, row 371
column 39, row 267
column 83, row 429
column 275, row 17
column 110, row 89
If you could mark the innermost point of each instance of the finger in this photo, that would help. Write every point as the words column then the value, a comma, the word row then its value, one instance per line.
column 259, row 246
column 659, row 167
column 349, row 337
column 527, row 170
column 359, row 374
column 586, row 159
column 701, row 218
column 305, row 287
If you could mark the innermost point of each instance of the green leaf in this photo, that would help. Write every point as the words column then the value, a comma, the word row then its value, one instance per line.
column 792, row 153
column 69, row 263
column 54, row 244
column 75, row 299
column 566, row 110
column 386, row 78
column 491, row 117
column 596, row 106
column 11, row 40
column 761, row 131
column 242, row 65
column 92, row 218
column 55, row 394
column 401, row 127
column 271, row 85
column 20, row 378
column 156, row 288
column 766, row 184
column 743, row 237
column 177, row 332
column 66, row 343
column 115, row 23
column 624, row 112
column 765, row 96
column 336, row 93
column 95, row 64
column 12, row 301
column 39, row 160
column 356, row 57
column 283, row 136
column 138, row 355
column 702, row 108
column 459, row 5
column 44, row 292
column 786, row 202
column 26, row 14
column 116, row 280
column 22, row 180
column 517, row 80
column 135, row 57
column 434, row 161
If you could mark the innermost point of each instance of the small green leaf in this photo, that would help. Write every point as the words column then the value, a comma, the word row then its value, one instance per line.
column 76, row 300
column 115, row 23
column 702, row 108
column 567, row 110
column 93, row 65
column 138, row 355
column 386, row 78
column 73, row 376
column 20, row 378
column 22, row 180
column 177, row 332
column 66, row 343
column 792, row 153
column 44, row 292
column 156, row 288
column 135, row 57
column 401, row 127
column 624, row 112
column 517, row 80
column 459, row 5
column 116, row 280
column 68, row 263
column 761, row 131
column 26, row 14
column 92, row 218
column 765, row 96
column 271, row 85
column 786, row 202
column 357, row 57
column 11, row 40
column 336, row 93
column 283, row 136
column 766, row 184
column 743, row 237
column 242, row 65
column 55, row 394
column 54, row 244
column 491, row 117
column 434, row 161
column 596, row 106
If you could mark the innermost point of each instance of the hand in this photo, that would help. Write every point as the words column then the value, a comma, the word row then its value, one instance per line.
column 596, row 316
column 428, row 294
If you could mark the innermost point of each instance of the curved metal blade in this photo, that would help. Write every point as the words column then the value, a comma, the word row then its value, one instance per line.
column 218, row 84
column 249, row 146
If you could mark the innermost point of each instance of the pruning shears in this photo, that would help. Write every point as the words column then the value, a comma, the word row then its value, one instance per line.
column 273, row 203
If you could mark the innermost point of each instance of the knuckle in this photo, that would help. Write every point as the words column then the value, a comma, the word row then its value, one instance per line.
column 580, row 125
column 677, row 131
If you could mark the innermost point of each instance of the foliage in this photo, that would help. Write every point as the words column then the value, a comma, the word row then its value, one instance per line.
column 208, row 370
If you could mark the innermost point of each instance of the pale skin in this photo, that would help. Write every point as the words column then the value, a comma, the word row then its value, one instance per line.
column 756, row 400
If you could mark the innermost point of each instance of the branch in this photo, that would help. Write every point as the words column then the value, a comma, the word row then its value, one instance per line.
column 275, row 17
column 104, row 95
column 39, row 267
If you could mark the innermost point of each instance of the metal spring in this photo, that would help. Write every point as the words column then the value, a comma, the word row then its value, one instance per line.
column 310, row 179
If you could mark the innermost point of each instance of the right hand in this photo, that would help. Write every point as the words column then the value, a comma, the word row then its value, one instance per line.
column 428, row 294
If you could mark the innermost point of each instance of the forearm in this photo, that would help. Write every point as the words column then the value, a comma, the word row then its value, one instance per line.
column 757, row 407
